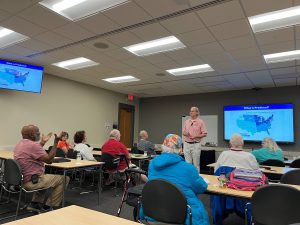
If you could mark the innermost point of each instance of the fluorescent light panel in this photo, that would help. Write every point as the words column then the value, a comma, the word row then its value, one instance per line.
column 156, row 46
column 282, row 56
column 190, row 70
column 9, row 37
column 275, row 20
column 77, row 63
column 79, row 9
column 123, row 79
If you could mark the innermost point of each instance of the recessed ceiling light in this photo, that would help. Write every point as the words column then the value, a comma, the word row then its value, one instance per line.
column 282, row 56
column 77, row 63
column 122, row 79
column 276, row 19
column 156, row 46
column 79, row 9
column 190, row 70
column 9, row 37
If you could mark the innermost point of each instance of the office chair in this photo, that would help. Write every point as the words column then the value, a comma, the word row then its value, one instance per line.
column 13, row 183
column 275, row 204
column 291, row 177
column 295, row 163
column 164, row 202
column 273, row 162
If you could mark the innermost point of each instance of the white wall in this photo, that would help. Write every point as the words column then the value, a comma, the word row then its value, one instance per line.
column 62, row 105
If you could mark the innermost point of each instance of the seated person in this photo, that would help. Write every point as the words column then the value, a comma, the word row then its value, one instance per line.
column 269, row 150
column 171, row 166
column 63, row 143
column 32, row 158
column 113, row 146
column 80, row 146
column 236, row 157
column 145, row 145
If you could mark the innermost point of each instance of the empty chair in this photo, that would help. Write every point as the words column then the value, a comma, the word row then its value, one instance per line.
column 291, row 177
column 295, row 163
column 164, row 202
column 276, row 205
column 273, row 162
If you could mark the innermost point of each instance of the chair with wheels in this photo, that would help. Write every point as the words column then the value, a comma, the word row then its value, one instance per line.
column 291, row 177
column 273, row 162
column 275, row 204
column 173, row 207
column 13, row 183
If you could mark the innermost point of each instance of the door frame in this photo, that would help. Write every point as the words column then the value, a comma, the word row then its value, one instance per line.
column 132, row 109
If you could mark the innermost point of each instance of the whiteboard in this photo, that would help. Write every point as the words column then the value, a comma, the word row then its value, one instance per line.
column 211, row 122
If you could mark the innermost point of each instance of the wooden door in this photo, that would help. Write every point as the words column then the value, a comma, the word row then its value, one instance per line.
column 126, row 124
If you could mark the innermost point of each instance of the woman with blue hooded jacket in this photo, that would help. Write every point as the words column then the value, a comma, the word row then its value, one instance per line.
column 171, row 166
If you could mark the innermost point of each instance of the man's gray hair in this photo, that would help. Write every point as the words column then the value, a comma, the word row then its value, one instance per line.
column 143, row 133
column 115, row 134
column 195, row 109
column 236, row 141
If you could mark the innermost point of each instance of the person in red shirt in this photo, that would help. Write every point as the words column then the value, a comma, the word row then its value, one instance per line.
column 63, row 143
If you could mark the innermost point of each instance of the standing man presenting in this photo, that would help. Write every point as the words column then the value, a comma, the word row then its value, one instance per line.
column 193, row 131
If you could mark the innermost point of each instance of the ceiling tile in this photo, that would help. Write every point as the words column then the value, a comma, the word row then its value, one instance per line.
column 279, row 47
column 283, row 71
column 221, row 13
column 297, row 28
column 119, row 54
column 183, row 24
column 98, row 24
column 190, row 61
column 22, row 26
column 231, row 29
column 282, row 35
column 14, row 6
column 245, row 53
column 43, row 17
column 151, row 32
column 19, row 50
column 181, row 54
column 127, row 14
column 53, row 39
column 4, row 15
column 209, row 48
column 165, row 7
column 197, row 37
column 90, row 44
column 73, row 32
column 255, row 7
column 261, row 79
column 239, row 43
column 239, row 80
column 124, row 39
column 285, row 82
column 35, row 45
column 158, row 58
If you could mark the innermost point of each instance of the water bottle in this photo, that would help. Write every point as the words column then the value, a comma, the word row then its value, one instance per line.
column 78, row 159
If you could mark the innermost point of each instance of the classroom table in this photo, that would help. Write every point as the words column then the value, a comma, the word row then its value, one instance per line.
column 74, row 215
column 6, row 154
column 96, row 153
column 264, row 169
column 213, row 188
column 140, row 158
column 74, row 164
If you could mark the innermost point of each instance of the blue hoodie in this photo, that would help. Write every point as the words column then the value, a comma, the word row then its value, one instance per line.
column 173, row 168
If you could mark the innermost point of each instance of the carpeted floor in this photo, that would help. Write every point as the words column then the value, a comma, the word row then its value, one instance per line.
column 109, row 204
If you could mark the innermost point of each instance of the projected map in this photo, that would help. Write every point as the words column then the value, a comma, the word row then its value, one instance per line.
column 255, row 123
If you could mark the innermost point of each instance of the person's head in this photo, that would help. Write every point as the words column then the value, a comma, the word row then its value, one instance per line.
column 31, row 132
column 236, row 141
column 194, row 112
column 80, row 137
column 64, row 136
column 143, row 134
column 270, row 144
column 115, row 134
column 172, row 144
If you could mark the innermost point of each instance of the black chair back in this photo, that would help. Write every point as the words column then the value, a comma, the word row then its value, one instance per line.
column 60, row 153
column 295, row 163
column 164, row 202
column 273, row 162
column 276, row 205
column 12, row 173
column 72, row 154
column 291, row 177
column 111, row 162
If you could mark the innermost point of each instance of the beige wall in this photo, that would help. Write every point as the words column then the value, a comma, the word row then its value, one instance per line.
column 62, row 105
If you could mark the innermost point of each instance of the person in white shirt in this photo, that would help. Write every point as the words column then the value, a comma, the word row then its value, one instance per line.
column 236, row 157
column 80, row 146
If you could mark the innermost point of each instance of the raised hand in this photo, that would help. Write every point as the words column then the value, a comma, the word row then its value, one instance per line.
column 46, row 138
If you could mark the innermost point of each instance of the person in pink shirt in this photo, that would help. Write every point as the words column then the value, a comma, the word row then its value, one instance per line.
column 31, row 157
column 194, row 130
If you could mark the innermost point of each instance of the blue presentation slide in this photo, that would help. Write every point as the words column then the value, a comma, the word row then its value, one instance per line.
column 22, row 77
column 255, row 122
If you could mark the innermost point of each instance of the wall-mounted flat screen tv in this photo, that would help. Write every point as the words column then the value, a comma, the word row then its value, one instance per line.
column 255, row 122
column 20, row 76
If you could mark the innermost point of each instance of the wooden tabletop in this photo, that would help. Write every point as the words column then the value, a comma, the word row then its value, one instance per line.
column 74, row 164
column 73, row 215
column 6, row 154
column 138, row 156
column 273, row 169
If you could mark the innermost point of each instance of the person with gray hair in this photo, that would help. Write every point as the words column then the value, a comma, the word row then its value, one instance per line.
column 193, row 131
column 269, row 150
column 236, row 157
column 145, row 145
